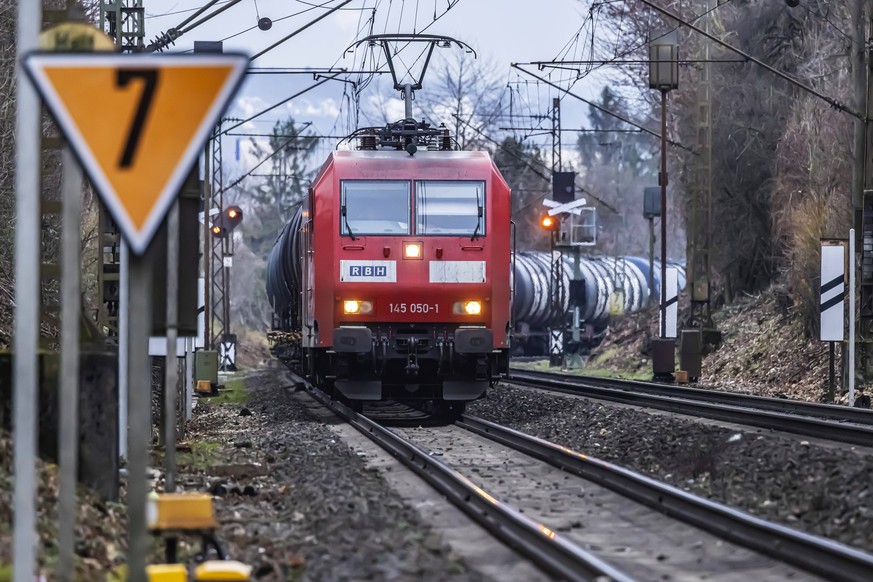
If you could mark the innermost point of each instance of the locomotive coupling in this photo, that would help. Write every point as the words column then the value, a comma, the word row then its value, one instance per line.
column 412, row 365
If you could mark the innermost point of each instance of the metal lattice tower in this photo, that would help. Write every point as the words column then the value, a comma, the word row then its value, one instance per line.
column 219, row 299
column 699, row 210
column 556, row 135
column 124, row 20
column 556, row 280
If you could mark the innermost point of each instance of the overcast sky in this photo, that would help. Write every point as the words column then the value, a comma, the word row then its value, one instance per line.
column 501, row 32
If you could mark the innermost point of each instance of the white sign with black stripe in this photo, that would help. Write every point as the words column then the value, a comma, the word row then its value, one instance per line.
column 833, row 293
column 672, row 305
column 227, row 354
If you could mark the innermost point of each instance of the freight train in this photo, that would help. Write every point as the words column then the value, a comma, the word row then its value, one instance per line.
column 591, row 292
column 393, row 278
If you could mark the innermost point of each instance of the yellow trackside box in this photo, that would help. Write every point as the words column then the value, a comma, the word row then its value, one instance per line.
column 222, row 571
column 181, row 511
column 167, row 573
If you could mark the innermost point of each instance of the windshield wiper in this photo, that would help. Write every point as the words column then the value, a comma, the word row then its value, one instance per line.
column 479, row 217
column 344, row 212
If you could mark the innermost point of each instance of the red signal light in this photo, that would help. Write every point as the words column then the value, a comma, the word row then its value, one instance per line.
column 549, row 223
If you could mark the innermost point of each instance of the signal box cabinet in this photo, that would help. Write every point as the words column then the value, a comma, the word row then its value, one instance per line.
column 206, row 366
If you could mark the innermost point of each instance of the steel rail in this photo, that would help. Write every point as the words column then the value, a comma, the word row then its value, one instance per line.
column 768, row 413
column 545, row 547
column 824, row 411
column 809, row 552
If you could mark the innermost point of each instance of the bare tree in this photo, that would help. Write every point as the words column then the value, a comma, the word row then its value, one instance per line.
column 464, row 93
column 269, row 202
column 756, row 119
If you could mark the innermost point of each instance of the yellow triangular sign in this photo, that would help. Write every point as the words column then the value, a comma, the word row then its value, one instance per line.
column 137, row 123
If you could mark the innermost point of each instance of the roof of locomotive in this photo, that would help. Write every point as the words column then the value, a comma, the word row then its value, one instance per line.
column 423, row 154
column 343, row 159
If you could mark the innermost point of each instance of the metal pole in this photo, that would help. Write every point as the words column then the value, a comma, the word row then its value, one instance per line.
column 171, row 363
column 831, row 373
column 662, row 180
column 859, row 71
column 577, row 276
column 171, row 368
column 651, row 260
column 852, row 317
column 225, row 293
column 207, row 248
column 139, row 412
column 407, row 98
column 68, row 437
column 190, row 346
column 27, row 247
column 123, row 327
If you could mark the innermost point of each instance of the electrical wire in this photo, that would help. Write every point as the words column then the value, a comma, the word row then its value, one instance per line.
column 261, row 163
column 828, row 20
column 183, row 11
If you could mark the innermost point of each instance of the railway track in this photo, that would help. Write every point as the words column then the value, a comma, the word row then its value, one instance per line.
column 836, row 423
column 680, row 534
column 543, row 546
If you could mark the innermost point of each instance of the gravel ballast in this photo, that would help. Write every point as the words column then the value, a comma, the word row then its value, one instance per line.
column 820, row 489
column 298, row 504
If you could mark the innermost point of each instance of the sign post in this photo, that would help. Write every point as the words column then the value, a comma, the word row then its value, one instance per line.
column 70, row 37
column 26, row 364
column 137, row 150
column 832, row 305
column 851, row 317
column 68, row 433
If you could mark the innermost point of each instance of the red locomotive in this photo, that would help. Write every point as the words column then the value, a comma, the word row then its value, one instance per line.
column 393, row 280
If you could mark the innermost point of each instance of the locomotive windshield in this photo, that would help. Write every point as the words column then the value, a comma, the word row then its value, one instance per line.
column 375, row 207
column 450, row 208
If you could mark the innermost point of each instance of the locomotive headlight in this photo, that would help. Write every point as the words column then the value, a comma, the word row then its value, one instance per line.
column 355, row 307
column 467, row 308
column 412, row 250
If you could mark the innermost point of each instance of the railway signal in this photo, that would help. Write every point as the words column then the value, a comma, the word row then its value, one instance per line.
column 550, row 223
column 233, row 215
column 224, row 223
column 218, row 231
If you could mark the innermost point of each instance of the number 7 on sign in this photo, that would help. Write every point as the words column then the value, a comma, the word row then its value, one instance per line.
column 150, row 82
column 140, row 146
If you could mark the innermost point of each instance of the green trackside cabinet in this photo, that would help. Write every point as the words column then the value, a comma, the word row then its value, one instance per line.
column 206, row 366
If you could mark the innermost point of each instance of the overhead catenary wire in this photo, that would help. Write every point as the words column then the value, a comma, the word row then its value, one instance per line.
column 529, row 164
column 602, row 109
column 268, row 157
column 282, row 102
column 182, row 11
column 299, row 30
column 173, row 34
column 839, row 106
